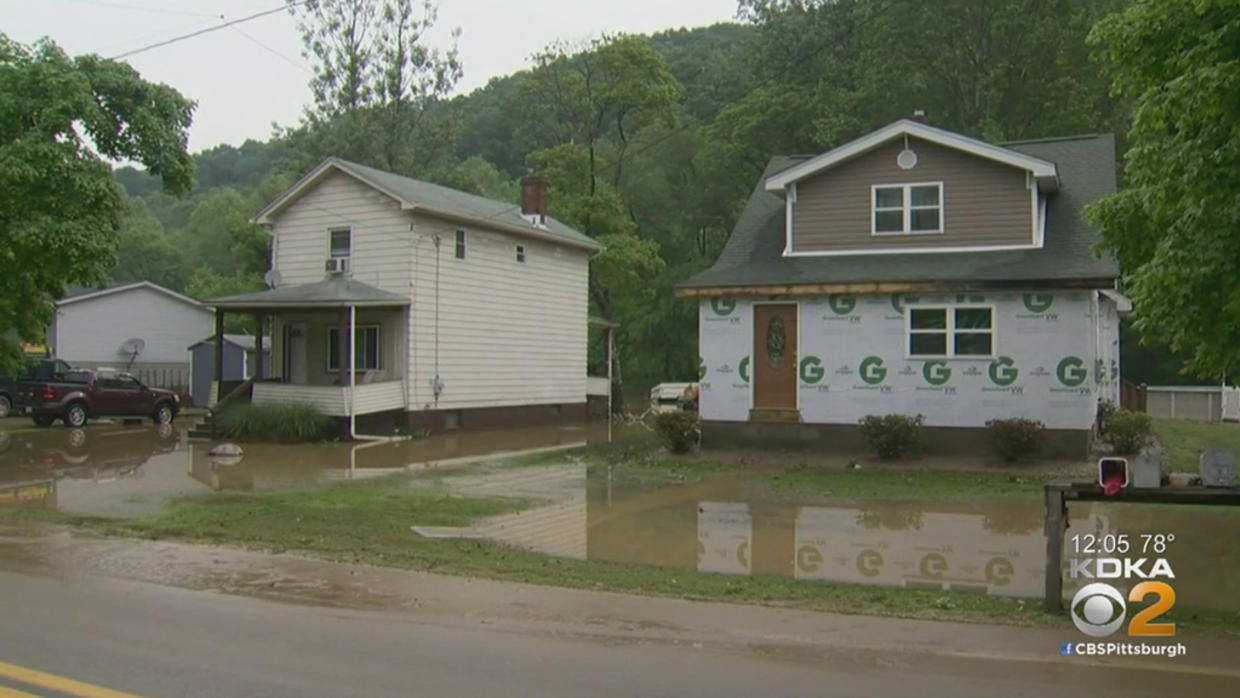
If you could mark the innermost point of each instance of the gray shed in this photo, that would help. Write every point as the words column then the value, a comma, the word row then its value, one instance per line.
column 238, row 363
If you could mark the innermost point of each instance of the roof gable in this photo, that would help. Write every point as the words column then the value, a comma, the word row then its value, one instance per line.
column 432, row 199
column 1046, row 172
column 78, row 295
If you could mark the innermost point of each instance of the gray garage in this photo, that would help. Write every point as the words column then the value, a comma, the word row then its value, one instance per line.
column 238, row 363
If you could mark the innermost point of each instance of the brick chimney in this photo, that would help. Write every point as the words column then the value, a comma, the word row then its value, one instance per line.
column 919, row 115
column 534, row 199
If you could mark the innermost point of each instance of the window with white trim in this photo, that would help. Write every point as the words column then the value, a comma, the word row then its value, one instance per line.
column 938, row 332
column 340, row 242
column 907, row 209
column 366, row 350
column 460, row 244
column 521, row 253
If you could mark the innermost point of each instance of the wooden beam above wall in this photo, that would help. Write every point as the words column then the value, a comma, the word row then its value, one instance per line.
column 858, row 288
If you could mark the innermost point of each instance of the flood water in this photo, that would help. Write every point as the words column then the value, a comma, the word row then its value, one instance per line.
column 726, row 524
column 106, row 470
column 733, row 525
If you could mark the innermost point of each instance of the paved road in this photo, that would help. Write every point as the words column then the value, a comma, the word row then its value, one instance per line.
column 154, row 640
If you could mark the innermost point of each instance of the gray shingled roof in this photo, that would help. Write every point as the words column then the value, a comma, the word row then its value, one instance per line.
column 334, row 292
column 453, row 201
column 753, row 255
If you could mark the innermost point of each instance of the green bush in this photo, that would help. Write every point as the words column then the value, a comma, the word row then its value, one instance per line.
column 679, row 431
column 1016, row 439
column 892, row 435
column 1106, row 408
column 1128, row 431
column 280, row 423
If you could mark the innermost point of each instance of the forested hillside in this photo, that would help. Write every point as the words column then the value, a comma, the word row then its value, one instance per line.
column 651, row 143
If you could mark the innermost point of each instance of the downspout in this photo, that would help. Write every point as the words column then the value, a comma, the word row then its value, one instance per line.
column 353, row 390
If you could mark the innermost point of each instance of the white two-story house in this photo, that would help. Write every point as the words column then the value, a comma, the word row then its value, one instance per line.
column 457, row 310
column 914, row 271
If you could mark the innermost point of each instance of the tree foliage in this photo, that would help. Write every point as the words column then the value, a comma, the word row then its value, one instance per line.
column 375, row 83
column 61, row 119
column 1173, row 225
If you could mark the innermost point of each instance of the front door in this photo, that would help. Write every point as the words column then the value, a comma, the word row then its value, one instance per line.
column 295, row 353
column 775, row 356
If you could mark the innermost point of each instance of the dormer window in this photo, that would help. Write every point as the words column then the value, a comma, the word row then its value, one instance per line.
column 906, row 209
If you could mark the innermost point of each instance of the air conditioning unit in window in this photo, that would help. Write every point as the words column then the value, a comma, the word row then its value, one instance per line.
column 337, row 265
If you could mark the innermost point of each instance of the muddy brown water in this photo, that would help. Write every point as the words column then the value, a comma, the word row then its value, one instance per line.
column 727, row 524
column 116, row 470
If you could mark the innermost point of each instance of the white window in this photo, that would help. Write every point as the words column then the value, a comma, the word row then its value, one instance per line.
column 521, row 253
column 366, row 356
column 907, row 209
column 340, row 242
column 460, row 244
column 951, row 332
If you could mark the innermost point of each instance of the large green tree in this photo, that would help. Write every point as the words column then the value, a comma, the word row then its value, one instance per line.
column 1175, row 225
column 61, row 119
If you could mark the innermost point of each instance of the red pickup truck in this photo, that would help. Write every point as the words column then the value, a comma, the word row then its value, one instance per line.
column 79, row 395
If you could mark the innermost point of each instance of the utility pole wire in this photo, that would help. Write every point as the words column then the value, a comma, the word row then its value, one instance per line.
column 208, row 30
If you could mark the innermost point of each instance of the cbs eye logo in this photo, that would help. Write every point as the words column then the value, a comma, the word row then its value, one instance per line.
column 1098, row 610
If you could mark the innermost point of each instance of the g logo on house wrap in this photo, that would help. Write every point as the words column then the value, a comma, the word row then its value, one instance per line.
column 842, row 305
column 1037, row 302
column 812, row 370
column 899, row 299
column 723, row 306
column 1071, row 371
column 872, row 370
column 1003, row 371
column 743, row 369
column 936, row 372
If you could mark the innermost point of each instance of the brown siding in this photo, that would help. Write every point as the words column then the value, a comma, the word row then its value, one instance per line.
column 986, row 203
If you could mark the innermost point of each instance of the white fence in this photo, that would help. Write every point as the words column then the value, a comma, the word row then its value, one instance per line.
column 1199, row 403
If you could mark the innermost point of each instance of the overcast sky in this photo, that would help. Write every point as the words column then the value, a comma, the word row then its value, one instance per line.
column 248, row 77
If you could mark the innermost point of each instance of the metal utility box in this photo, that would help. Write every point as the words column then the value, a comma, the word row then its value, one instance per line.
column 1218, row 468
column 1147, row 468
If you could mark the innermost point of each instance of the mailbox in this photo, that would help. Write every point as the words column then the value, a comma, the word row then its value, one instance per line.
column 1112, row 474
column 1147, row 468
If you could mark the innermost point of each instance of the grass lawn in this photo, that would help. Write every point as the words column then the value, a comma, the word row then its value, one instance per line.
column 368, row 522
column 1186, row 440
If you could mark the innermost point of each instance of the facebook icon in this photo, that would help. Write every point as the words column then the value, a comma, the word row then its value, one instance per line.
column 1065, row 648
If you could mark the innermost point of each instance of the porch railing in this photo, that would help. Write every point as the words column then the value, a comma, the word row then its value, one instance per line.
column 333, row 399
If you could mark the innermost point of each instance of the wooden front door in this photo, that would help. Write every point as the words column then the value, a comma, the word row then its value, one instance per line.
column 775, row 356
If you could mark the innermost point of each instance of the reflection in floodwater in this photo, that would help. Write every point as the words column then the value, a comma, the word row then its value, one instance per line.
column 132, row 471
column 728, row 524
column 731, row 525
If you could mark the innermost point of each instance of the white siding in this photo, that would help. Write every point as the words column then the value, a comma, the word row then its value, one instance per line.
column 509, row 333
column 90, row 332
column 381, row 235
column 379, row 397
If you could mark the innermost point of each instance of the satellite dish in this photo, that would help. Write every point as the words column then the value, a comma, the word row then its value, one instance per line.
column 907, row 159
column 133, row 346
column 272, row 278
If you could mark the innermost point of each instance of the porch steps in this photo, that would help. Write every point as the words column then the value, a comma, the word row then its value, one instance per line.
column 204, row 429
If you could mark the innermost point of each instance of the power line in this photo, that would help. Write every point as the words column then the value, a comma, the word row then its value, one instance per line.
column 208, row 30
column 273, row 52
